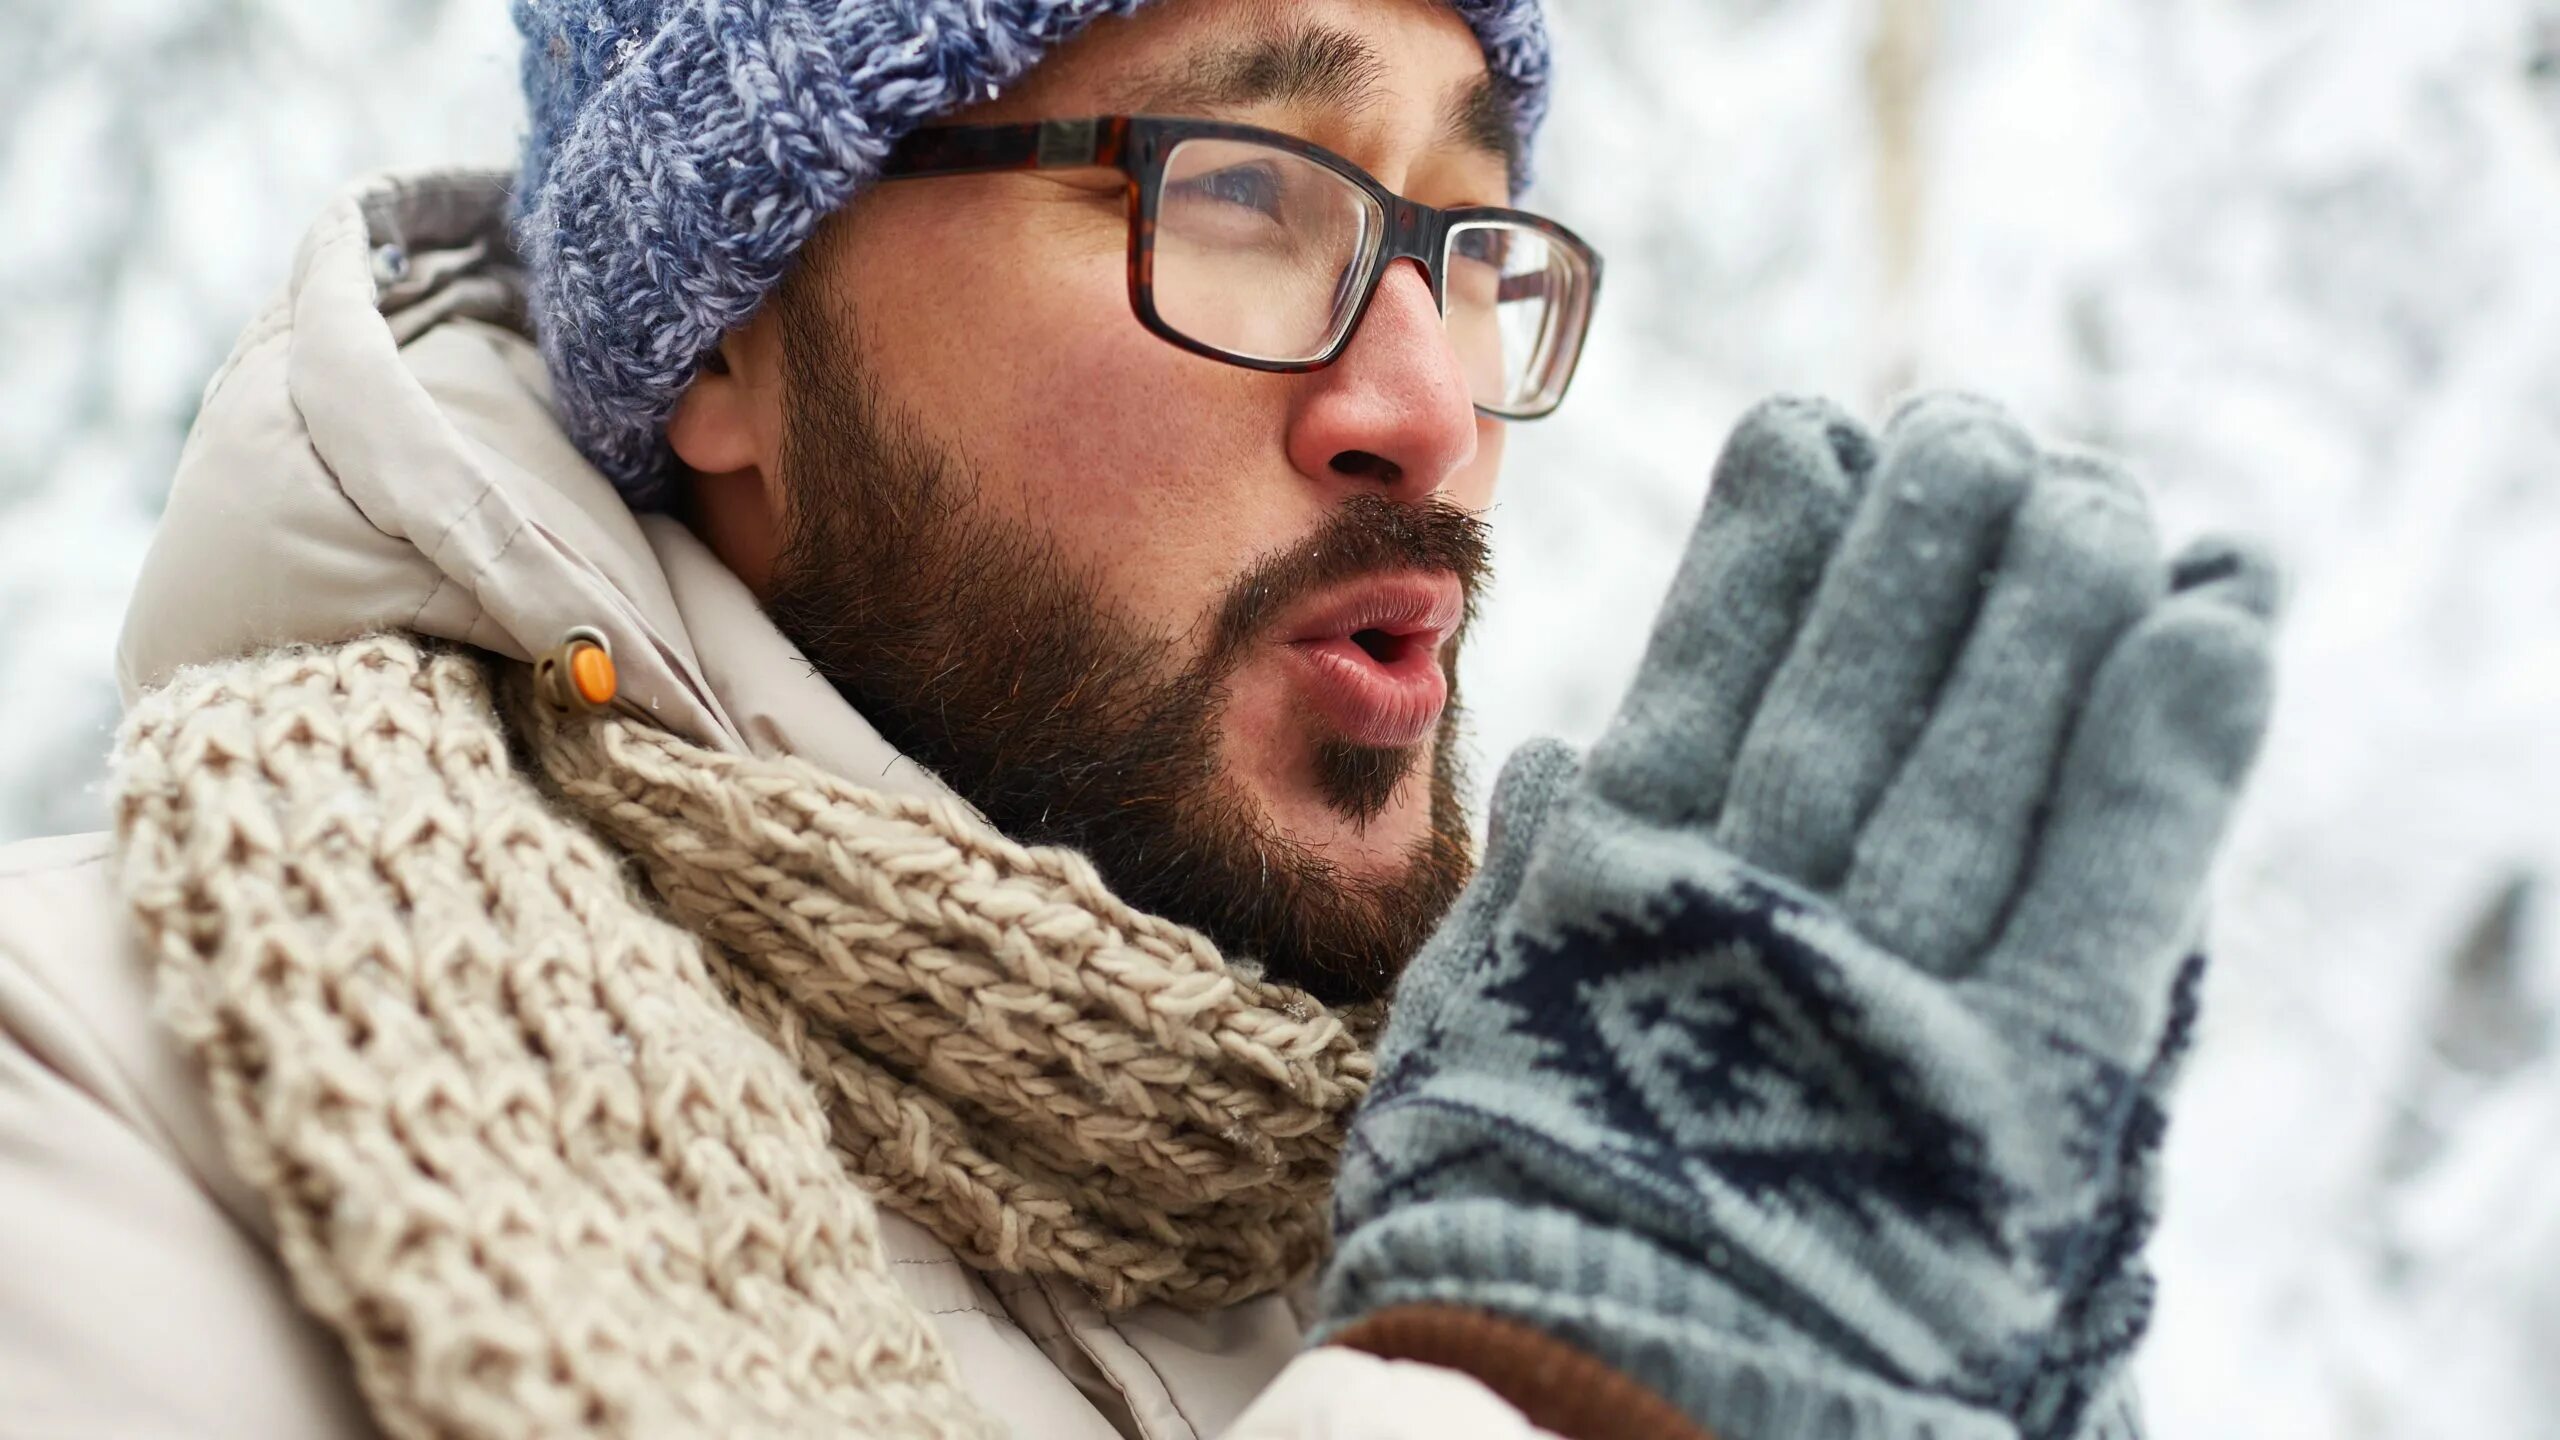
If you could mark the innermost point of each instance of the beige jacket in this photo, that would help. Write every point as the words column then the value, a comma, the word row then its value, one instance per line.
column 378, row 453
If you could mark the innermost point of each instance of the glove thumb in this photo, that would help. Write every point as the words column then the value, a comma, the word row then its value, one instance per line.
column 1532, row 781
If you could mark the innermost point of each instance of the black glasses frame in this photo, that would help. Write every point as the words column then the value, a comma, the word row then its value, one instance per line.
column 1138, row 146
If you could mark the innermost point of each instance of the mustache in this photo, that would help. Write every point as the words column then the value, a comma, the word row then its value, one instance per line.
column 1369, row 535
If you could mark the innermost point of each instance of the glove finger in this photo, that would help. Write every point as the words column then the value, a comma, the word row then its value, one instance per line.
column 1892, row 611
column 1532, row 781
column 1937, row 862
column 2147, row 787
column 1784, row 490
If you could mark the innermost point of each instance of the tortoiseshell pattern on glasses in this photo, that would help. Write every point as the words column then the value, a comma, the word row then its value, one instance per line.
column 1138, row 146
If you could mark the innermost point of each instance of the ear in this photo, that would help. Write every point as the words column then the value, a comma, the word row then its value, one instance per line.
column 727, row 421
column 727, row 429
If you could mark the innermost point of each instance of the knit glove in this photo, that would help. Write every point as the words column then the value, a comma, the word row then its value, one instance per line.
column 1802, row 1055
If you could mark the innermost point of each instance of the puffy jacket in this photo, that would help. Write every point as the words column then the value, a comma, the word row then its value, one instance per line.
column 379, row 453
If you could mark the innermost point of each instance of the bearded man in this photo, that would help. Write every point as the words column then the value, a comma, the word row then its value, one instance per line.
column 796, row 773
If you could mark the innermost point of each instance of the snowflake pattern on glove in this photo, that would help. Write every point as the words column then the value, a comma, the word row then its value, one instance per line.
column 1806, row 1052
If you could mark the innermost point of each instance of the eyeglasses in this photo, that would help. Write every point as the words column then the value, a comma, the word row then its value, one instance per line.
column 1261, row 250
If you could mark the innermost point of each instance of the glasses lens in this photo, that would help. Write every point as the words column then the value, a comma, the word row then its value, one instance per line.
column 1260, row 252
column 1519, row 301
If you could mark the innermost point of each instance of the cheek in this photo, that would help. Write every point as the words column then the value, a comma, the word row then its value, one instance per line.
column 1158, row 474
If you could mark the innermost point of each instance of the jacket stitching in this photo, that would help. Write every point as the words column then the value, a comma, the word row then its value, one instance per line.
column 1161, row 1383
column 442, row 580
column 435, row 552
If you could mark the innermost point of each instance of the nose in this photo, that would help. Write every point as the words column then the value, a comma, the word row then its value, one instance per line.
column 1394, row 412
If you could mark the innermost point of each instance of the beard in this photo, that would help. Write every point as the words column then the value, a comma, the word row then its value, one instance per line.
column 986, row 655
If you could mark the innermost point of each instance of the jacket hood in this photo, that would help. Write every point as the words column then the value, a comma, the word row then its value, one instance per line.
column 380, row 452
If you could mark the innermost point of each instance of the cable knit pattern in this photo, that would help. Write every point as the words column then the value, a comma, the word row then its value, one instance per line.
column 1050, row 1081
column 680, row 154
column 549, row 1163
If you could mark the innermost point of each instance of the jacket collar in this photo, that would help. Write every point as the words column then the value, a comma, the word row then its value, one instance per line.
column 380, row 453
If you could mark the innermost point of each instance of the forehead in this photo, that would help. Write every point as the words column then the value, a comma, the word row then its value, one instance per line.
column 1407, row 66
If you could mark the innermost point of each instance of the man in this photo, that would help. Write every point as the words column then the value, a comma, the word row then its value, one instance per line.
column 991, row 518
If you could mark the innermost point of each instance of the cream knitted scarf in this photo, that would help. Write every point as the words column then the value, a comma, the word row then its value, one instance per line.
column 550, row 1157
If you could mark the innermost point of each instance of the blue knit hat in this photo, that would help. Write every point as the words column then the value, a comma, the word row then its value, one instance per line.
column 682, row 151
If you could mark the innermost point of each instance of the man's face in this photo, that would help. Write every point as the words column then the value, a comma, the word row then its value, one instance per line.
column 1197, row 621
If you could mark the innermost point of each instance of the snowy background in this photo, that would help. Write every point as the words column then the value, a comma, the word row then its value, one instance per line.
column 2299, row 258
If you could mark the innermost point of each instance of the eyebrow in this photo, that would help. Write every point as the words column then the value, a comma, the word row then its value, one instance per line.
column 1479, row 118
column 1316, row 66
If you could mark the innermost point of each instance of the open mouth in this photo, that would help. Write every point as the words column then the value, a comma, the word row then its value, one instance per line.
column 1371, row 655
column 1384, row 646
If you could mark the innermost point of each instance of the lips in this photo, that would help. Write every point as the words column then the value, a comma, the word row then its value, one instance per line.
column 1368, row 655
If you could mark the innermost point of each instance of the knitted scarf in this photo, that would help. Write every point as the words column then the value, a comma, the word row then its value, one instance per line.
column 550, row 1156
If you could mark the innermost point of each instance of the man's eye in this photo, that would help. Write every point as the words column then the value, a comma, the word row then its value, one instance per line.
column 1246, row 187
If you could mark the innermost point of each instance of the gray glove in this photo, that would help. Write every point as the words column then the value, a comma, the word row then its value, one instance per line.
column 1802, row 1056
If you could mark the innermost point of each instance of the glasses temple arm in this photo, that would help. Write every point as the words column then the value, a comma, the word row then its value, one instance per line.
column 977, row 149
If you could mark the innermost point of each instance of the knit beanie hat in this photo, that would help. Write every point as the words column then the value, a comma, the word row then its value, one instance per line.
column 682, row 151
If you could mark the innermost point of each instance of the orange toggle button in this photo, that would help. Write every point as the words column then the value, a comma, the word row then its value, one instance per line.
column 577, row 676
column 591, row 671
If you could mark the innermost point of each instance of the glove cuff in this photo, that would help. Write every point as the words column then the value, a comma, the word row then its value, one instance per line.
column 1675, row 1332
column 1560, row 1389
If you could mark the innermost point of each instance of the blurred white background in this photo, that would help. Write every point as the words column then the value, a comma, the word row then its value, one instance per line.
column 2300, row 259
